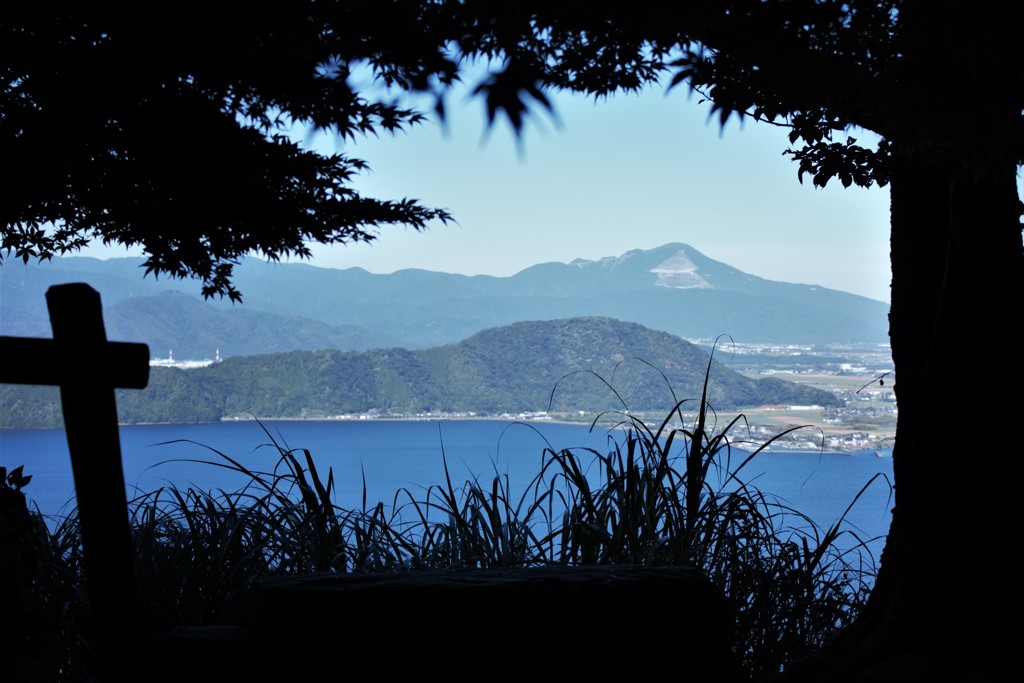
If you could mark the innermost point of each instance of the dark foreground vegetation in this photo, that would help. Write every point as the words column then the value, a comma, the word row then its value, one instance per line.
column 667, row 496
column 147, row 146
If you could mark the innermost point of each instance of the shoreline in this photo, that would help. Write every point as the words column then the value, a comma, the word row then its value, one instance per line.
column 837, row 441
column 760, row 432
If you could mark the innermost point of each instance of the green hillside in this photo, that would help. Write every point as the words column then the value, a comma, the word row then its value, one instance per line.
column 565, row 366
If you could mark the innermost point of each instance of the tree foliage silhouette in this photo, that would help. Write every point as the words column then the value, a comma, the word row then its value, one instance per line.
column 938, row 82
column 169, row 132
column 167, row 127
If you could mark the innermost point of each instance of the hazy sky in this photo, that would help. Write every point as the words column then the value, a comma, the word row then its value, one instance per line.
column 627, row 173
column 631, row 172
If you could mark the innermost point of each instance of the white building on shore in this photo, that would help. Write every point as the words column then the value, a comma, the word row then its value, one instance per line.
column 169, row 362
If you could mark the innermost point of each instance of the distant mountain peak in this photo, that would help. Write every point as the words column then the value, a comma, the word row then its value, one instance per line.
column 679, row 272
column 673, row 265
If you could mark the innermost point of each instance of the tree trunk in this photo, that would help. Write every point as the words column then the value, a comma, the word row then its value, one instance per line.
column 946, row 571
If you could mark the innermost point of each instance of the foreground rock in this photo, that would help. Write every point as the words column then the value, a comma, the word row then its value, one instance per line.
column 571, row 623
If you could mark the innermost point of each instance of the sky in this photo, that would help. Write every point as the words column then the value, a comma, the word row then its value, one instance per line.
column 602, row 178
column 630, row 172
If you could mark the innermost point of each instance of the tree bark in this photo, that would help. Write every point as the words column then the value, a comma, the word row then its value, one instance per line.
column 957, row 263
column 946, row 588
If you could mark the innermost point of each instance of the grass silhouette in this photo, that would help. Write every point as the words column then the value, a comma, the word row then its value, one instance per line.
column 661, row 495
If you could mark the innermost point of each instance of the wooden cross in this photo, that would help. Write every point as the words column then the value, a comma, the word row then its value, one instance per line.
column 88, row 368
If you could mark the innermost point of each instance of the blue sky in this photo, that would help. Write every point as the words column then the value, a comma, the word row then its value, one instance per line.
column 630, row 172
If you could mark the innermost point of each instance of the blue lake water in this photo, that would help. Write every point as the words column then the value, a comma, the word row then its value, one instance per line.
column 391, row 456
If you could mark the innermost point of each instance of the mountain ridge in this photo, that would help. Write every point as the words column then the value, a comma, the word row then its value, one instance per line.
column 674, row 288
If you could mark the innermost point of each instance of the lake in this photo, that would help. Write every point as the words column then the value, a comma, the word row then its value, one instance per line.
column 391, row 456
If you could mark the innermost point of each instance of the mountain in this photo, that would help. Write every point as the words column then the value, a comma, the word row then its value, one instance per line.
column 673, row 288
column 565, row 366
column 161, row 319
column 171, row 321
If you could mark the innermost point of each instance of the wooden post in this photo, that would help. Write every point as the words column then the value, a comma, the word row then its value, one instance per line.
column 88, row 368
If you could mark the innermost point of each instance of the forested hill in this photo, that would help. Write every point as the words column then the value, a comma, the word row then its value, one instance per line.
column 561, row 365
